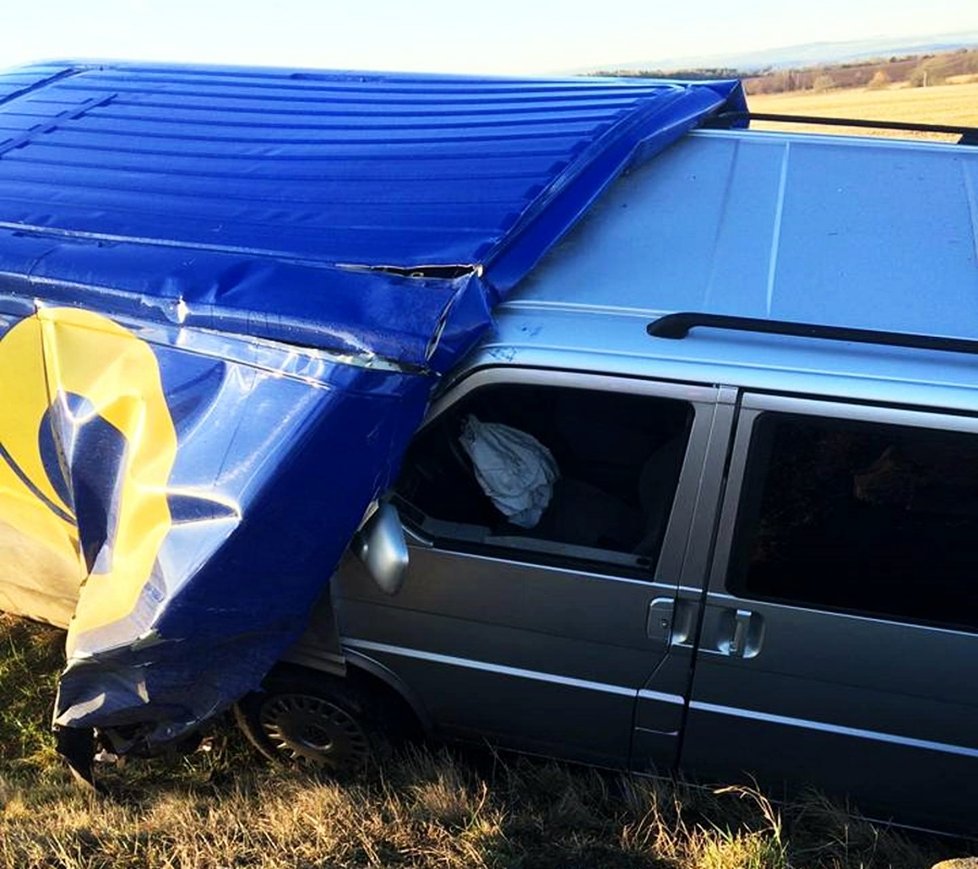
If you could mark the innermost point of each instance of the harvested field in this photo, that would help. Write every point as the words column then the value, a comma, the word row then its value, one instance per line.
column 947, row 104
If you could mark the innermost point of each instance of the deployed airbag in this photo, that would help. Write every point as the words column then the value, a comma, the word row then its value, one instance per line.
column 514, row 469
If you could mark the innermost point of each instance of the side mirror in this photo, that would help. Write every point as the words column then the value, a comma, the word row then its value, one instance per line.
column 383, row 550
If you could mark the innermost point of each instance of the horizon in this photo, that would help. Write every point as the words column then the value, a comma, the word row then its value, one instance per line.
column 437, row 36
column 969, row 38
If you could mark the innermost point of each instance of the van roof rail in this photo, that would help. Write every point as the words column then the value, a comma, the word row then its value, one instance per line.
column 726, row 120
column 678, row 326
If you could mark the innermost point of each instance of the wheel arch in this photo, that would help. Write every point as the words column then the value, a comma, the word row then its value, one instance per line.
column 364, row 669
column 365, row 674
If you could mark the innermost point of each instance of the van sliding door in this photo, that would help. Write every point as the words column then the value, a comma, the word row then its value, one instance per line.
column 840, row 631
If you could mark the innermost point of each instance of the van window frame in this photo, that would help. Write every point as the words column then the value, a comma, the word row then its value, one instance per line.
column 753, row 407
column 702, row 400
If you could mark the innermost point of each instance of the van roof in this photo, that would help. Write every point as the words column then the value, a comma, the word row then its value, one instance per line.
column 864, row 233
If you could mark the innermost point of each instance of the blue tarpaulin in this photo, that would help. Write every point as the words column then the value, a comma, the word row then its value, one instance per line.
column 225, row 297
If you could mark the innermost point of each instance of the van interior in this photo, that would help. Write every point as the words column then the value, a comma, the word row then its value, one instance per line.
column 860, row 517
column 618, row 457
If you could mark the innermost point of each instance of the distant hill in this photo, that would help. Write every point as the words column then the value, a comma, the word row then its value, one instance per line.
column 806, row 55
column 956, row 66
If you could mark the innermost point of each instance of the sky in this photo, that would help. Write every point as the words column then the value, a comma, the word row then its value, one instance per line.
column 500, row 36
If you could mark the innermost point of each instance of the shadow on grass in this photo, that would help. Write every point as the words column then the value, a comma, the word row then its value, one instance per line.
column 422, row 806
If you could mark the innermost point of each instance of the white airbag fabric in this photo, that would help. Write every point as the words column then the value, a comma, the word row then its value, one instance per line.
column 513, row 468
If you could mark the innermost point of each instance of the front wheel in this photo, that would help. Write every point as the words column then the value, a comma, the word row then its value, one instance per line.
column 316, row 722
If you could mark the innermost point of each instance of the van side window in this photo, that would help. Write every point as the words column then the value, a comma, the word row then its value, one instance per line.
column 614, row 466
column 861, row 517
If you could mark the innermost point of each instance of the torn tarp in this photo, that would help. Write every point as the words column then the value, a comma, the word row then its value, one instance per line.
column 225, row 296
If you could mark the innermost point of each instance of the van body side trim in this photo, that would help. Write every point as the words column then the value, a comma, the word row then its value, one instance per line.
column 835, row 729
column 483, row 666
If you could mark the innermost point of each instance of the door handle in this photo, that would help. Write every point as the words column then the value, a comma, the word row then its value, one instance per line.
column 739, row 639
column 742, row 633
column 670, row 621
column 727, row 631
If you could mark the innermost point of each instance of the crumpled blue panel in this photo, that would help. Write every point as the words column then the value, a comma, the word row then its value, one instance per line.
column 273, row 474
column 225, row 297
column 371, row 314
column 257, row 463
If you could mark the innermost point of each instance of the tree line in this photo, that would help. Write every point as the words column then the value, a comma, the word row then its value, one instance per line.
column 925, row 70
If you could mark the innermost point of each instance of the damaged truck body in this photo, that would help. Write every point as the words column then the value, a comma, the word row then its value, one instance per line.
column 653, row 434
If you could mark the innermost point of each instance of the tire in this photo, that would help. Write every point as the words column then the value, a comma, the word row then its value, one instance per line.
column 316, row 722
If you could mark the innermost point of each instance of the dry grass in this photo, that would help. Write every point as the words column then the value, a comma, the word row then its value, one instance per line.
column 427, row 807
column 947, row 104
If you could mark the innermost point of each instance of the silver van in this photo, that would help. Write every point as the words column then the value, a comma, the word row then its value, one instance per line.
column 753, row 364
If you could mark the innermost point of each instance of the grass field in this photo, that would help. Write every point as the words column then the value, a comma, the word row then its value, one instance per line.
column 947, row 104
column 423, row 807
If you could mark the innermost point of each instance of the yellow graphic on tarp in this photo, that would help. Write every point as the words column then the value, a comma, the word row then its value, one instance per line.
column 43, row 359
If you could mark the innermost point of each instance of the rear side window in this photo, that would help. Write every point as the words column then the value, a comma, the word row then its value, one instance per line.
column 860, row 517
